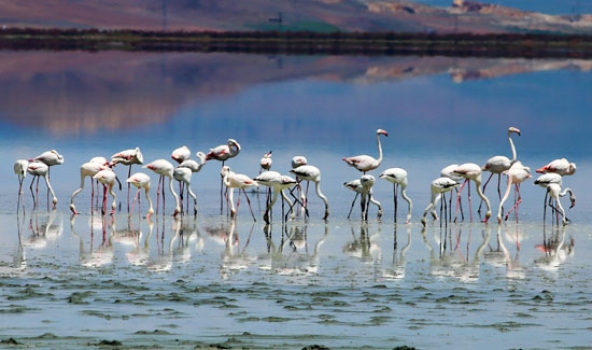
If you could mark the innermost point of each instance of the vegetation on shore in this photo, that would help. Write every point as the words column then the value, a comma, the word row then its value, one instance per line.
column 538, row 45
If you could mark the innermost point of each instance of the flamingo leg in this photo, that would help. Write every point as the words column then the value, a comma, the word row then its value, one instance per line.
column 249, row 202
column 396, row 186
column 352, row 205
column 484, row 187
column 458, row 199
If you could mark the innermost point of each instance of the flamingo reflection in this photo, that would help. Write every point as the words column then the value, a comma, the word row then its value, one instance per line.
column 556, row 249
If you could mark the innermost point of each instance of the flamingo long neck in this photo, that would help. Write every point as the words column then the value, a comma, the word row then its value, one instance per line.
column 286, row 198
column 506, row 195
column 321, row 195
column 407, row 199
column 514, row 155
column 379, row 160
column 566, row 191
column 485, row 199
column 46, row 177
column 114, row 203
column 177, row 207
column 147, row 193
column 374, row 201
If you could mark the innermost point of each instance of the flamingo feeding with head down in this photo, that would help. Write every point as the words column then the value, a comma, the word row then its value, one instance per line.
column 516, row 175
column 499, row 164
column 365, row 163
column 554, row 191
column 107, row 178
column 312, row 173
column 89, row 169
column 471, row 172
column 233, row 180
column 398, row 177
column 39, row 169
column 20, row 169
column 164, row 168
column 278, row 182
column 363, row 186
column 555, row 182
column 141, row 180
column 438, row 187
column 183, row 175
column 195, row 167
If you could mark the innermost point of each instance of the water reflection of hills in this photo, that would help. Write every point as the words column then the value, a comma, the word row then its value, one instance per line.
column 83, row 92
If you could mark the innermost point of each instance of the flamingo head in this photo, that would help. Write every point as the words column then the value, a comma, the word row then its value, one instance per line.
column 513, row 130
column 381, row 132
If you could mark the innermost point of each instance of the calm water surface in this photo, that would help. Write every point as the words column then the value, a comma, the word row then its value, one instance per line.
column 341, row 283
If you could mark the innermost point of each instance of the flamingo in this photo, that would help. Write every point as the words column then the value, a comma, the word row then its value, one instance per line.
column 222, row 153
column 499, row 164
column 296, row 162
column 516, row 175
column 141, row 180
column 266, row 161
column 183, row 175
column 312, row 173
column 279, row 183
column 438, row 187
column 559, row 166
column 398, row 177
column 555, row 181
column 39, row 169
column 107, row 178
column 89, row 169
column 164, row 168
column 471, row 172
column 195, row 167
column 128, row 157
column 365, row 163
column 233, row 180
column 363, row 186
column 49, row 158
column 554, row 191
column 20, row 169
column 448, row 171
column 181, row 154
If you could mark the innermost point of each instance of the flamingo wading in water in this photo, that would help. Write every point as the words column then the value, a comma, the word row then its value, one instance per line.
column 471, row 172
column 398, row 177
column 363, row 186
column 223, row 153
column 141, row 180
column 233, row 180
column 39, row 169
column 128, row 157
column 88, row 169
column 365, row 163
column 516, row 175
column 499, row 164
column 164, row 168
column 438, row 187
column 312, row 173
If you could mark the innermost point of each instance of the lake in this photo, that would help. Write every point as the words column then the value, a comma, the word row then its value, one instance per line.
column 210, row 281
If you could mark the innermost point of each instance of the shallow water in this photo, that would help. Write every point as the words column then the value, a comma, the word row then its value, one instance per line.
column 211, row 281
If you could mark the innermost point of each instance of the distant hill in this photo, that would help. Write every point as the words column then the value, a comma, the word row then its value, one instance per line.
column 310, row 15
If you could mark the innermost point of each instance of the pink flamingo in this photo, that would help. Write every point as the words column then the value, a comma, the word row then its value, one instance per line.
column 499, row 164
column 233, row 180
column 363, row 186
column 471, row 172
column 365, row 163
column 223, row 153
column 398, row 177
column 195, row 167
column 49, row 158
column 559, row 166
column 438, row 187
column 141, row 180
column 38, row 169
column 107, row 178
column 312, row 173
column 516, row 175
column 181, row 154
column 165, row 169
column 89, row 169
column 128, row 157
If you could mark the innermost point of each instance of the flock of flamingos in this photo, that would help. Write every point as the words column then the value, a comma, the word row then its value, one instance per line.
column 453, row 177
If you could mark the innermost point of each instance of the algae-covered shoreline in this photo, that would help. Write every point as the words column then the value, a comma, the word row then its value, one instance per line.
column 529, row 45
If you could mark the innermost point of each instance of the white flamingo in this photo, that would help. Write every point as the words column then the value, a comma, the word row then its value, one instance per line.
column 555, row 192
column 20, row 169
column 183, row 175
column 141, row 180
column 398, row 177
column 107, row 178
column 499, row 164
column 128, row 157
column 278, row 183
column 181, row 154
column 164, row 168
column 222, row 153
column 89, row 169
column 39, row 169
column 363, row 186
column 471, row 172
column 266, row 161
column 560, row 166
column 312, row 173
column 233, row 180
column 365, row 163
column 438, row 187
column 517, row 174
